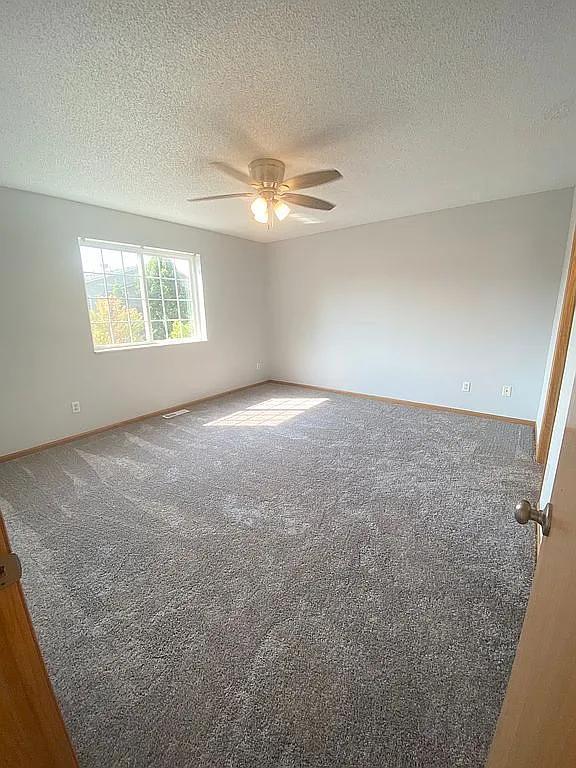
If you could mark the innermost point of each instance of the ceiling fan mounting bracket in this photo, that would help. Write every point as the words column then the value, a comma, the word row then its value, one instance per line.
column 267, row 171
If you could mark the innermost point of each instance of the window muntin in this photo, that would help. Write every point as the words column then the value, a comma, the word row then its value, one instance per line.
column 138, row 296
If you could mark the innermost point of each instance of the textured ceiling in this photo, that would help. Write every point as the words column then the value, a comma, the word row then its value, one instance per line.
column 421, row 104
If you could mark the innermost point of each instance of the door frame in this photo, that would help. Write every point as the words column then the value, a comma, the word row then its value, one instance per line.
column 559, row 360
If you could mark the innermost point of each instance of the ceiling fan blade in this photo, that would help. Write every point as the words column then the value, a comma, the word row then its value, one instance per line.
column 313, row 179
column 217, row 197
column 235, row 174
column 308, row 202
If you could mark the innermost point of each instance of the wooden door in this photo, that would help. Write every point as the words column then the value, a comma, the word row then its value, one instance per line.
column 32, row 732
column 537, row 725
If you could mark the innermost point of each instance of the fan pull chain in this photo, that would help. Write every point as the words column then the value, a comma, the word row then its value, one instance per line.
column 270, row 222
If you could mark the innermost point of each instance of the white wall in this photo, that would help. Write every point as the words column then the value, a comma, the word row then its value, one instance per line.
column 557, row 314
column 46, row 353
column 411, row 308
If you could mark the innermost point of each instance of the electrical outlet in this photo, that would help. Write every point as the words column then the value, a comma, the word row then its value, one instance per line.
column 466, row 386
column 259, row 366
column 507, row 390
column 75, row 406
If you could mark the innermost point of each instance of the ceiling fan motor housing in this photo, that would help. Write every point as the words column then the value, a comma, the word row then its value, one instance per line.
column 267, row 172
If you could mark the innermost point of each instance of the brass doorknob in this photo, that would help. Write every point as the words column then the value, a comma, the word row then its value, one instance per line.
column 526, row 512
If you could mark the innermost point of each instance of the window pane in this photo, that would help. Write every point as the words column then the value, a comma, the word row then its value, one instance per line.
column 118, row 309
column 167, row 267
column 171, row 308
column 136, row 317
column 91, row 259
column 153, row 288
column 121, row 333
column 169, row 289
column 151, row 268
column 182, row 268
column 183, row 289
column 136, row 305
column 175, row 329
column 130, row 262
column 138, row 332
column 133, row 287
column 136, row 312
column 99, row 312
column 112, row 261
column 185, row 309
column 115, row 285
column 95, row 285
column 101, row 334
column 156, row 310
column 158, row 331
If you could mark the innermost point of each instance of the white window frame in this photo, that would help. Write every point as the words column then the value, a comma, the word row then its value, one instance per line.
column 196, row 297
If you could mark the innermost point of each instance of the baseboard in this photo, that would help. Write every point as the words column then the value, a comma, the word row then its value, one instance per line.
column 107, row 427
column 411, row 403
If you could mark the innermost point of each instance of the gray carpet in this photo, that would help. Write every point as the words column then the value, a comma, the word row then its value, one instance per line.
column 343, row 588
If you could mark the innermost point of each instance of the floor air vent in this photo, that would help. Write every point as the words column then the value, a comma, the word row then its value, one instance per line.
column 175, row 413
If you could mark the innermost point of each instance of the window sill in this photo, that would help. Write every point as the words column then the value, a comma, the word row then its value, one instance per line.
column 150, row 345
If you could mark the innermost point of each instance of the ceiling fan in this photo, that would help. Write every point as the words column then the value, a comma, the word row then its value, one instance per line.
column 271, row 192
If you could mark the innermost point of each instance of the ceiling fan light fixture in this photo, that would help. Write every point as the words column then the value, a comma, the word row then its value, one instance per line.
column 281, row 210
column 260, row 209
column 262, row 218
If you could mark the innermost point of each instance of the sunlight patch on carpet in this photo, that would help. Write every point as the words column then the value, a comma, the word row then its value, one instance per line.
column 269, row 413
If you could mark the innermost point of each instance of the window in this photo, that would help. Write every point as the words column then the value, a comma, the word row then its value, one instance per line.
column 138, row 296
